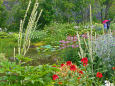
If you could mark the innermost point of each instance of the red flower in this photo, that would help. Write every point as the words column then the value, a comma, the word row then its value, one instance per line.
column 59, row 83
column 55, row 77
column 81, row 72
column 84, row 64
column 68, row 63
column 73, row 68
column 53, row 66
column 79, row 78
column 62, row 65
column 113, row 68
column 84, row 61
column 99, row 75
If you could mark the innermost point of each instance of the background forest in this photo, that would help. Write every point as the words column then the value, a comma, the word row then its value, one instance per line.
column 60, row 11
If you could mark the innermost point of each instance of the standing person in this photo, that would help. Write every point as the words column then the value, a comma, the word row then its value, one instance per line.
column 105, row 27
column 108, row 24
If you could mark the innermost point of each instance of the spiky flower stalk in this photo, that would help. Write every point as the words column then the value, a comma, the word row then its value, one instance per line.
column 34, row 17
column 81, row 53
column 21, row 29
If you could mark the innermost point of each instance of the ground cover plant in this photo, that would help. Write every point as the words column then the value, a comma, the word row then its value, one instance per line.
column 61, row 53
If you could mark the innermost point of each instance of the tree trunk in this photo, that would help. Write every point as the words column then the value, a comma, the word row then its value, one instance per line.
column 101, row 15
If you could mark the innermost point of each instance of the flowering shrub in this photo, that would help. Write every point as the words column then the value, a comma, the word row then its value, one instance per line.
column 70, row 42
column 72, row 75
column 70, row 47
column 68, row 72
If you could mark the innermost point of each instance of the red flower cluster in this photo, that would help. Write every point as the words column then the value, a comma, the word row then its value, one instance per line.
column 99, row 75
column 81, row 72
column 67, row 69
column 84, row 61
column 68, row 63
column 62, row 65
column 55, row 77
column 73, row 68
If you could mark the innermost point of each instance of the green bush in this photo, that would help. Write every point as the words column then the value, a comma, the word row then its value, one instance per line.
column 13, row 73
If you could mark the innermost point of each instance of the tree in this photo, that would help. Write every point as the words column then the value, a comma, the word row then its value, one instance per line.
column 111, row 12
column 108, row 4
column 3, row 15
column 105, row 4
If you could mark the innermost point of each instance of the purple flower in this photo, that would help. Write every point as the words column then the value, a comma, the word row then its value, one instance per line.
column 77, row 45
column 74, row 40
column 68, row 38
column 84, row 36
column 73, row 46
column 67, row 41
column 61, row 47
column 71, row 38
column 62, row 41
column 75, row 37
column 60, row 44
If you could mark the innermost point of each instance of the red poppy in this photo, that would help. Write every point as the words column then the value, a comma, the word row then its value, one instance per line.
column 62, row 65
column 59, row 83
column 73, row 68
column 113, row 68
column 99, row 75
column 84, row 61
column 68, row 63
column 55, row 77
column 81, row 72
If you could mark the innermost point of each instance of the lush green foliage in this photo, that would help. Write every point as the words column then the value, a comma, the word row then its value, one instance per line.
column 3, row 15
column 31, row 51
column 55, row 11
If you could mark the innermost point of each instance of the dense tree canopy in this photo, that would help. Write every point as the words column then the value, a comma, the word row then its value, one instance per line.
column 56, row 11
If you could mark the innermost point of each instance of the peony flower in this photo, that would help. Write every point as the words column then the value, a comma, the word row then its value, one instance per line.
column 99, row 75
column 68, row 63
column 73, row 68
column 55, row 77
